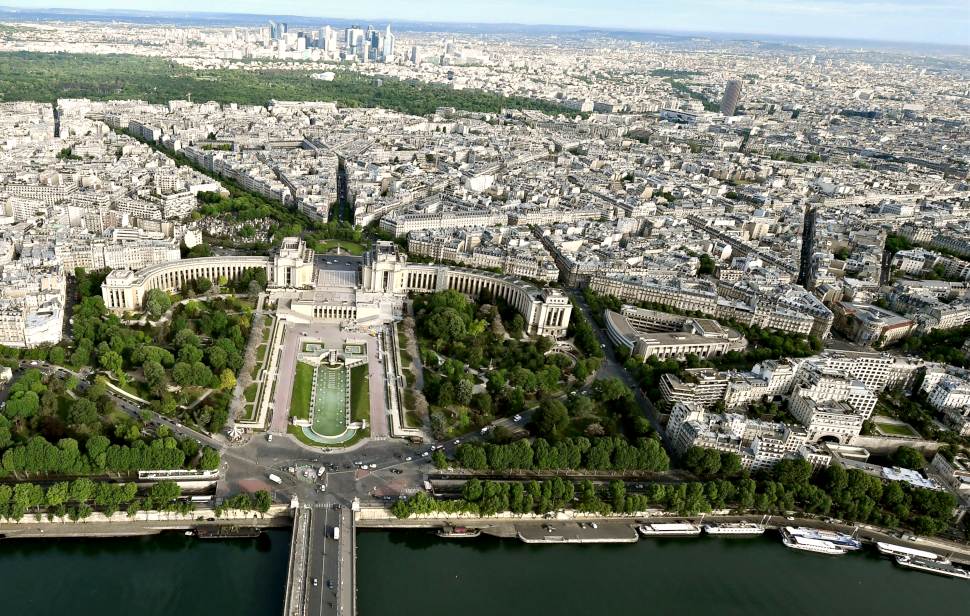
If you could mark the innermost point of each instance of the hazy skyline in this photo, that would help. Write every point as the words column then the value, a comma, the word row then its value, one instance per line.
column 934, row 21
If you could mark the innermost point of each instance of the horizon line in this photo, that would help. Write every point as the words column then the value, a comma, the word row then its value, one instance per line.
column 601, row 28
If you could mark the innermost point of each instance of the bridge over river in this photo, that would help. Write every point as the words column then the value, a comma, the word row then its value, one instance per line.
column 321, row 575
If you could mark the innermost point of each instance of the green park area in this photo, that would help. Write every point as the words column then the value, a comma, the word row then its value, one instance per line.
column 345, row 246
column 302, row 388
column 359, row 393
column 329, row 419
column 46, row 77
column 895, row 429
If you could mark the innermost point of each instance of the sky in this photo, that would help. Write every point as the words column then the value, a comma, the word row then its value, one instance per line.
column 933, row 21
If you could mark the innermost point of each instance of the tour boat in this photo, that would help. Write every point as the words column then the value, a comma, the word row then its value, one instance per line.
column 892, row 550
column 933, row 566
column 834, row 537
column 812, row 545
column 743, row 529
column 670, row 529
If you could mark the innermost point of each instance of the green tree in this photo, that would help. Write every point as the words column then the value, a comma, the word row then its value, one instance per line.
column 163, row 493
column 210, row 459
column 57, row 355
column 82, row 490
column 156, row 302
column 551, row 418
column 111, row 361
column 83, row 412
column 57, row 494
column 227, row 380
column 907, row 457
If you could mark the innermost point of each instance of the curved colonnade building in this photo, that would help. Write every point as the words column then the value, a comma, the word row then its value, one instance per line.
column 384, row 279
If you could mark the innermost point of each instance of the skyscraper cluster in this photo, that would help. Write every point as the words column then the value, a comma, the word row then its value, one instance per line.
column 370, row 45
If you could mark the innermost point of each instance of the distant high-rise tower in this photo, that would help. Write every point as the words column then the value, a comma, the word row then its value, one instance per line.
column 388, row 44
column 732, row 93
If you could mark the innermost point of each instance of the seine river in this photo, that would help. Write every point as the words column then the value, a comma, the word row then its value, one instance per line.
column 164, row 575
column 411, row 572
column 415, row 573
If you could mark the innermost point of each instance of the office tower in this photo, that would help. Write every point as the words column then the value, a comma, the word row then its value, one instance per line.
column 273, row 30
column 414, row 54
column 388, row 44
column 732, row 93
column 354, row 39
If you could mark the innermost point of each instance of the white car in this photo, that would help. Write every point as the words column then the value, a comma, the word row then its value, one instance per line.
column 457, row 441
column 517, row 418
column 425, row 454
column 407, row 459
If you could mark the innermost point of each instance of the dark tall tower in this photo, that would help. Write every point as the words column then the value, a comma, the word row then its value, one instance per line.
column 732, row 94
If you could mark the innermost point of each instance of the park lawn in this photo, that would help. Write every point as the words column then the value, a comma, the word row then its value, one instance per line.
column 895, row 429
column 302, row 385
column 248, row 412
column 260, row 353
column 410, row 400
column 297, row 431
column 250, row 392
column 359, row 393
column 135, row 387
column 352, row 248
column 412, row 419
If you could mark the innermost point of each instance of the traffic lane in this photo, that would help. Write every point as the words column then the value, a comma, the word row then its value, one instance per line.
column 175, row 426
column 317, row 568
column 135, row 411
column 326, row 561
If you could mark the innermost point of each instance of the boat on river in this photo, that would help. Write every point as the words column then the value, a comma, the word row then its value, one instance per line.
column 933, row 566
column 892, row 550
column 842, row 540
column 458, row 532
column 739, row 529
column 669, row 529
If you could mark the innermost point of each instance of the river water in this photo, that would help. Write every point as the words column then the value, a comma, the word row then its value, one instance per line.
column 414, row 572
column 164, row 575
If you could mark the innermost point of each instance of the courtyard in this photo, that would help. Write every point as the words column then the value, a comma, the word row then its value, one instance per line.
column 325, row 395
